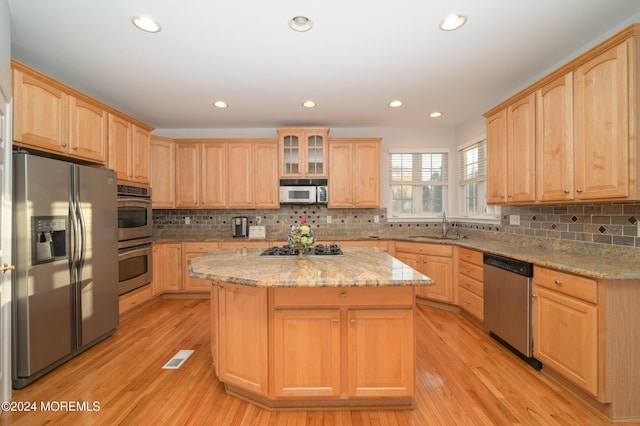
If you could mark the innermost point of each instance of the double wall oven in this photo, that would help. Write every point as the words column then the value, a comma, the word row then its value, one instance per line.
column 135, row 262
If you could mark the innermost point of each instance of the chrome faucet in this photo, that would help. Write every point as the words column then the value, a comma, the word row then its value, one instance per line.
column 445, row 225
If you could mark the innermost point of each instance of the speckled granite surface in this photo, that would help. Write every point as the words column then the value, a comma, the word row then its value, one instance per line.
column 362, row 267
column 600, row 261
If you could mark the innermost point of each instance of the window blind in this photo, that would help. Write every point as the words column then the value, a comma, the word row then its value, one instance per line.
column 418, row 168
column 472, row 163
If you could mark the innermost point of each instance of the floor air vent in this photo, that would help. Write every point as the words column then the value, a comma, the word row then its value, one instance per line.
column 178, row 359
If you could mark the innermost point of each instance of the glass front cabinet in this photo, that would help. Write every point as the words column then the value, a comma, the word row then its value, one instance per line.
column 303, row 152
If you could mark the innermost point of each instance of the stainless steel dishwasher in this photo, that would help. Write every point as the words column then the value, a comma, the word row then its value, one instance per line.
column 508, row 287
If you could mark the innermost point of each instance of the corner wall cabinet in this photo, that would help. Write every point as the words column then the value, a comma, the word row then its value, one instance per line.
column 303, row 152
column 354, row 173
column 583, row 118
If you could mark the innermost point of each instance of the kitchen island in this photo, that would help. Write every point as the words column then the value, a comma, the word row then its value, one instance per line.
column 313, row 331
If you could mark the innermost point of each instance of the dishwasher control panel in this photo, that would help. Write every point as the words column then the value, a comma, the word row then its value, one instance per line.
column 512, row 265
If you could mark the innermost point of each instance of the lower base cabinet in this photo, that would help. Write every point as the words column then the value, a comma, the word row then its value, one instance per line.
column 315, row 344
column 433, row 260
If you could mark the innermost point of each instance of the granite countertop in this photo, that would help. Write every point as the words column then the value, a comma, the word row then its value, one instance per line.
column 599, row 261
column 359, row 267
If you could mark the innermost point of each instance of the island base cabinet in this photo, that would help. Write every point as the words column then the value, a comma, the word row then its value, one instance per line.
column 307, row 353
column 380, row 353
column 242, row 337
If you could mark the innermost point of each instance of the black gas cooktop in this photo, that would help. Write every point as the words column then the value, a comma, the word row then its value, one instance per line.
column 317, row 250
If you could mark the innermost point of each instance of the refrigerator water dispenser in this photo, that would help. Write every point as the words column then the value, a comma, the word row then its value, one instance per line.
column 49, row 239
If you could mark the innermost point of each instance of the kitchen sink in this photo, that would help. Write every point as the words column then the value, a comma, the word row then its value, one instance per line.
column 434, row 237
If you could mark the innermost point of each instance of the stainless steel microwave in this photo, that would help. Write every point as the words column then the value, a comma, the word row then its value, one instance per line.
column 304, row 194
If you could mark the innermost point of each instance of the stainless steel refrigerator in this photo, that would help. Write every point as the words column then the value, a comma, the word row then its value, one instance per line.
column 65, row 285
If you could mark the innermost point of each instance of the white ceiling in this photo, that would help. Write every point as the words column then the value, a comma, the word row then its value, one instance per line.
column 360, row 55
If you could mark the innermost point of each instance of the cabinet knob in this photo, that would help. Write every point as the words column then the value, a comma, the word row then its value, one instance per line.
column 468, row 270
column 64, row 145
column 75, row 148
column 352, row 321
column 509, row 196
column 579, row 190
column 468, row 284
column 566, row 191
column 133, row 302
column 343, row 294
column 335, row 320
column 468, row 302
column 220, row 286
column 558, row 282
column 468, row 256
column 533, row 296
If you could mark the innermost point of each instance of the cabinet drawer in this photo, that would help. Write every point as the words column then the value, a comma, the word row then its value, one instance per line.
column 471, row 256
column 198, row 247
column 470, row 270
column 569, row 284
column 472, row 303
column 344, row 296
column 469, row 284
column 420, row 248
column 134, row 299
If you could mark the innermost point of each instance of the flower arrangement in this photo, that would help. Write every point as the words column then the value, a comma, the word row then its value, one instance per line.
column 301, row 236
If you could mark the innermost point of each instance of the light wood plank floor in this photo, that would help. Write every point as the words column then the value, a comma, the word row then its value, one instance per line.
column 464, row 377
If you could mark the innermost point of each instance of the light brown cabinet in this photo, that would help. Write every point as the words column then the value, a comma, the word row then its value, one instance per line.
column 303, row 152
column 129, row 151
column 555, row 140
column 511, row 137
column 189, row 251
column 566, row 329
column 605, row 154
column 585, row 118
column 252, row 174
column 235, row 173
column 167, row 268
column 323, row 336
column 471, row 282
column 242, row 333
column 163, row 173
column 49, row 119
column 354, row 173
column 434, row 261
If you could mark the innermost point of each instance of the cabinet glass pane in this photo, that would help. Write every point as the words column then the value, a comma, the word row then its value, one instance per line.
column 315, row 153
column 291, row 155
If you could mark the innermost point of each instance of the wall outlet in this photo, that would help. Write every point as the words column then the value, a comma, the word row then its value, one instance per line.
column 187, row 220
column 258, row 220
column 328, row 219
column 514, row 219
column 376, row 219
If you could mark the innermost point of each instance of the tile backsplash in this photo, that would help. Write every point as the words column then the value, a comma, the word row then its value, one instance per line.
column 605, row 223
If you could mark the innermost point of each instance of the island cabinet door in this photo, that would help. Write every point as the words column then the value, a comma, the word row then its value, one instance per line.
column 380, row 352
column 242, row 328
column 307, row 353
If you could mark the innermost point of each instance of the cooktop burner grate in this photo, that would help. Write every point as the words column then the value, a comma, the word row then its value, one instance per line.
column 317, row 250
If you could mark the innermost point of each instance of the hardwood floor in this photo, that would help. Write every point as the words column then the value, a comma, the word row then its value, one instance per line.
column 464, row 377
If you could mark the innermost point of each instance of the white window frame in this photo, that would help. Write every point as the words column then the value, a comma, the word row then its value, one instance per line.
column 480, row 179
column 417, row 195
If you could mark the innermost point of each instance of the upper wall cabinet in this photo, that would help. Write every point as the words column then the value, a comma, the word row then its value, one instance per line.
column 129, row 151
column 585, row 132
column 511, row 153
column 303, row 152
column 51, row 117
column 163, row 173
column 354, row 173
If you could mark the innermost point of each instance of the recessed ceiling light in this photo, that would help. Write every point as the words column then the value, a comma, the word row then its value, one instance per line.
column 146, row 23
column 220, row 104
column 435, row 114
column 308, row 104
column 300, row 23
column 395, row 104
column 452, row 22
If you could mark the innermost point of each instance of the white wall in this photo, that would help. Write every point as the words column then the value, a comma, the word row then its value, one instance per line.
column 5, row 48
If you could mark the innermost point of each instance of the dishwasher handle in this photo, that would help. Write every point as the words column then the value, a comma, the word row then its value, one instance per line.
column 508, row 264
